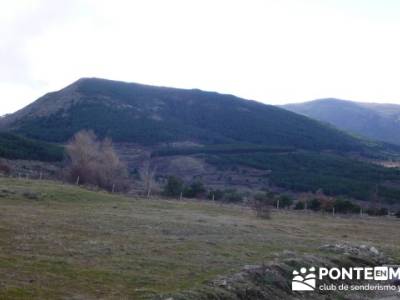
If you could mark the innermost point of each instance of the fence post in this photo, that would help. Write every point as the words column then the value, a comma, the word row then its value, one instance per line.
column 77, row 180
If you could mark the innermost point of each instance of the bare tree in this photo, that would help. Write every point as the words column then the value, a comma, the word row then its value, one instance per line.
column 261, row 208
column 4, row 167
column 95, row 162
column 147, row 173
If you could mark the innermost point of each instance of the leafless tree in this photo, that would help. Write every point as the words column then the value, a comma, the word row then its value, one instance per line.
column 147, row 173
column 95, row 162
column 4, row 167
column 261, row 208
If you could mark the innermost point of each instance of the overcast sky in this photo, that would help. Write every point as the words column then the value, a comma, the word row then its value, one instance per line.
column 273, row 51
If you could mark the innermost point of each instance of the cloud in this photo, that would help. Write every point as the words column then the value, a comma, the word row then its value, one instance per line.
column 267, row 50
column 29, row 20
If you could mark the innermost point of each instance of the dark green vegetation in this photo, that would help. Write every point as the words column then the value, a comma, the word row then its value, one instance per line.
column 16, row 147
column 175, row 187
column 220, row 149
column 370, row 120
column 336, row 175
column 129, row 112
column 62, row 242
column 304, row 171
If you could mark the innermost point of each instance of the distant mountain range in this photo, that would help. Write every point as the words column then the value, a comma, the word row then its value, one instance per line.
column 369, row 120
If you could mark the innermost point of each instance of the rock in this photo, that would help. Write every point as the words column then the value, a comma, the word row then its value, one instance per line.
column 250, row 267
column 288, row 253
column 374, row 250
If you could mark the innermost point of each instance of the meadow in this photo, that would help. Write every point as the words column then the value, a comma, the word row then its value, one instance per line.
column 60, row 241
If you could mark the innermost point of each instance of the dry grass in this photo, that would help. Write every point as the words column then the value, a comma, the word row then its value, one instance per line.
column 59, row 242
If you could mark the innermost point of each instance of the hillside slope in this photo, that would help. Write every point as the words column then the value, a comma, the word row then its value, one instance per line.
column 16, row 147
column 130, row 112
column 370, row 120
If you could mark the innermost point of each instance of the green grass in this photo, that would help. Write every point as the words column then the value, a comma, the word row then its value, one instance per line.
column 58, row 241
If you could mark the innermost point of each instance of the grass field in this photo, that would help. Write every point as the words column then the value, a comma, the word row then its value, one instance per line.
column 62, row 242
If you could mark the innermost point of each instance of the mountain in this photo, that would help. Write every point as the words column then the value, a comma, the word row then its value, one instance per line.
column 130, row 112
column 221, row 139
column 379, row 122
column 16, row 147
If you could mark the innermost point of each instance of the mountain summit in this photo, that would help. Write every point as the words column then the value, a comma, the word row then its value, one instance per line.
column 130, row 112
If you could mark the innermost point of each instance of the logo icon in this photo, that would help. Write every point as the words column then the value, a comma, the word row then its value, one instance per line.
column 305, row 280
column 381, row 273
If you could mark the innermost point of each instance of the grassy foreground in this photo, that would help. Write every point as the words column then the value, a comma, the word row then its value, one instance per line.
column 62, row 242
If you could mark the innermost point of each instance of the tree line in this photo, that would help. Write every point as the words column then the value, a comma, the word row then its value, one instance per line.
column 94, row 161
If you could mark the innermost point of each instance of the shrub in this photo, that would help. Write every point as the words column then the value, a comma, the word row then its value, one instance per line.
column 285, row 201
column 299, row 205
column 314, row 204
column 377, row 211
column 346, row 206
column 196, row 189
column 267, row 197
column 174, row 187
column 397, row 214
column 233, row 196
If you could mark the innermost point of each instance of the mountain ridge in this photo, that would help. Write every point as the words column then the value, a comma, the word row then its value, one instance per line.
column 146, row 114
column 374, row 121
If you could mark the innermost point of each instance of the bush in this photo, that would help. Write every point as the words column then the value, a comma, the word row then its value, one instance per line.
column 196, row 189
column 299, row 205
column 314, row 204
column 233, row 196
column 397, row 214
column 267, row 197
column 174, row 187
column 346, row 206
column 377, row 211
column 285, row 201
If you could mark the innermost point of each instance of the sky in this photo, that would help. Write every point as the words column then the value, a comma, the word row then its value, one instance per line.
column 272, row 51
